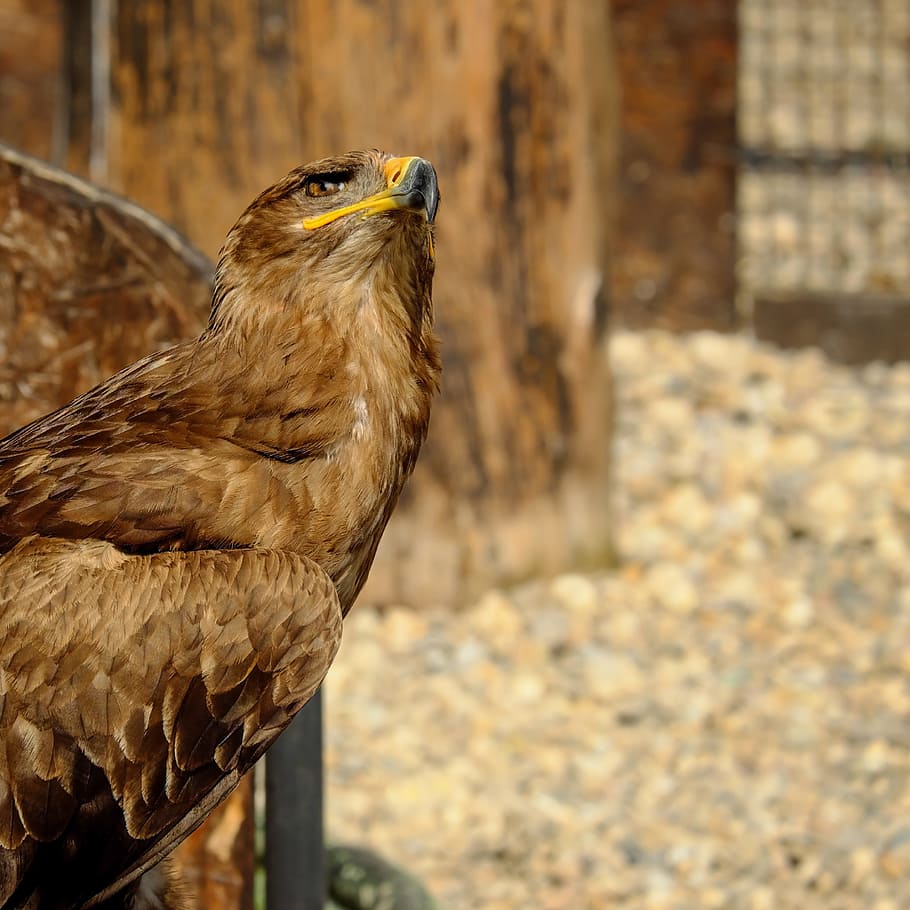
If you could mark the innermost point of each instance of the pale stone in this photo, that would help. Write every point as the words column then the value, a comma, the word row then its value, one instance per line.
column 672, row 588
column 799, row 612
column 895, row 856
column 575, row 592
column 686, row 507
column 796, row 450
column 402, row 628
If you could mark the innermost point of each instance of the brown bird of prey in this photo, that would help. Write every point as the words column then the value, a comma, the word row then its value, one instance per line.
column 180, row 544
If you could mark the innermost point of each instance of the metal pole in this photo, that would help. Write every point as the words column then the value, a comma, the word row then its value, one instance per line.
column 294, row 842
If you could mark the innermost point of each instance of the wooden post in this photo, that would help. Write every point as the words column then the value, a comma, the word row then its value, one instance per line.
column 514, row 102
column 675, row 247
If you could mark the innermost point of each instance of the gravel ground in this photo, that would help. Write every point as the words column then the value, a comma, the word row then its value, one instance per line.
column 721, row 721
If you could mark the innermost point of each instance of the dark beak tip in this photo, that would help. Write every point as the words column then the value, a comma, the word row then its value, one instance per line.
column 427, row 183
column 432, row 207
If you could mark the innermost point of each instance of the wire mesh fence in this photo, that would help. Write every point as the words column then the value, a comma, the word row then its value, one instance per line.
column 824, row 132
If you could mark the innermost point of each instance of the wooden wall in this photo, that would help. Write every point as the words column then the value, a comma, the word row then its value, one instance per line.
column 191, row 107
column 228, row 94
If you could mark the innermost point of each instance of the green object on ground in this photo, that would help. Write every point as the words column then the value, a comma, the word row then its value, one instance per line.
column 361, row 880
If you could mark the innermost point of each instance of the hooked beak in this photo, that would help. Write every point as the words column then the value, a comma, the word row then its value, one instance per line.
column 411, row 185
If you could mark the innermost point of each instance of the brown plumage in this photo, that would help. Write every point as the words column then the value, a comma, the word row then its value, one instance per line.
column 180, row 543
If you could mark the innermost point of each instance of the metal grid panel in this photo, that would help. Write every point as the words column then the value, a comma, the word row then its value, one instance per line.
column 824, row 128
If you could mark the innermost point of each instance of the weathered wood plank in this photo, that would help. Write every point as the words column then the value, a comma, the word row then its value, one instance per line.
column 205, row 108
column 849, row 328
column 675, row 244
column 31, row 62
column 217, row 860
column 513, row 101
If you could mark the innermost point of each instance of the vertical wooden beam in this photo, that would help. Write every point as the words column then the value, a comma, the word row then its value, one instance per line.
column 675, row 247
column 31, row 74
column 75, row 117
column 513, row 100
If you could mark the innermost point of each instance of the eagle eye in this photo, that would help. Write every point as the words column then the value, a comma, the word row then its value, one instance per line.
column 325, row 184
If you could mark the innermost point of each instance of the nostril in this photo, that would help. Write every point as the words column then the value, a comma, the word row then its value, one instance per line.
column 396, row 175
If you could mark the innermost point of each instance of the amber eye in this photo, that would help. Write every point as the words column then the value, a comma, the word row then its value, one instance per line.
column 323, row 186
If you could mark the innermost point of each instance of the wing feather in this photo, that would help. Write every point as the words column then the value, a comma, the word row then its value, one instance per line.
column 151, row 682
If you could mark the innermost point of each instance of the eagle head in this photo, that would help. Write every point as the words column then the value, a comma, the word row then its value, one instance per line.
column 328, row 230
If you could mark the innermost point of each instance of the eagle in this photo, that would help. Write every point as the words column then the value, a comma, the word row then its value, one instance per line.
column 179, row 545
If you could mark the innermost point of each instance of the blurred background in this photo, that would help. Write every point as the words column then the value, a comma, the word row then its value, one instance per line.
column 639, row 634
